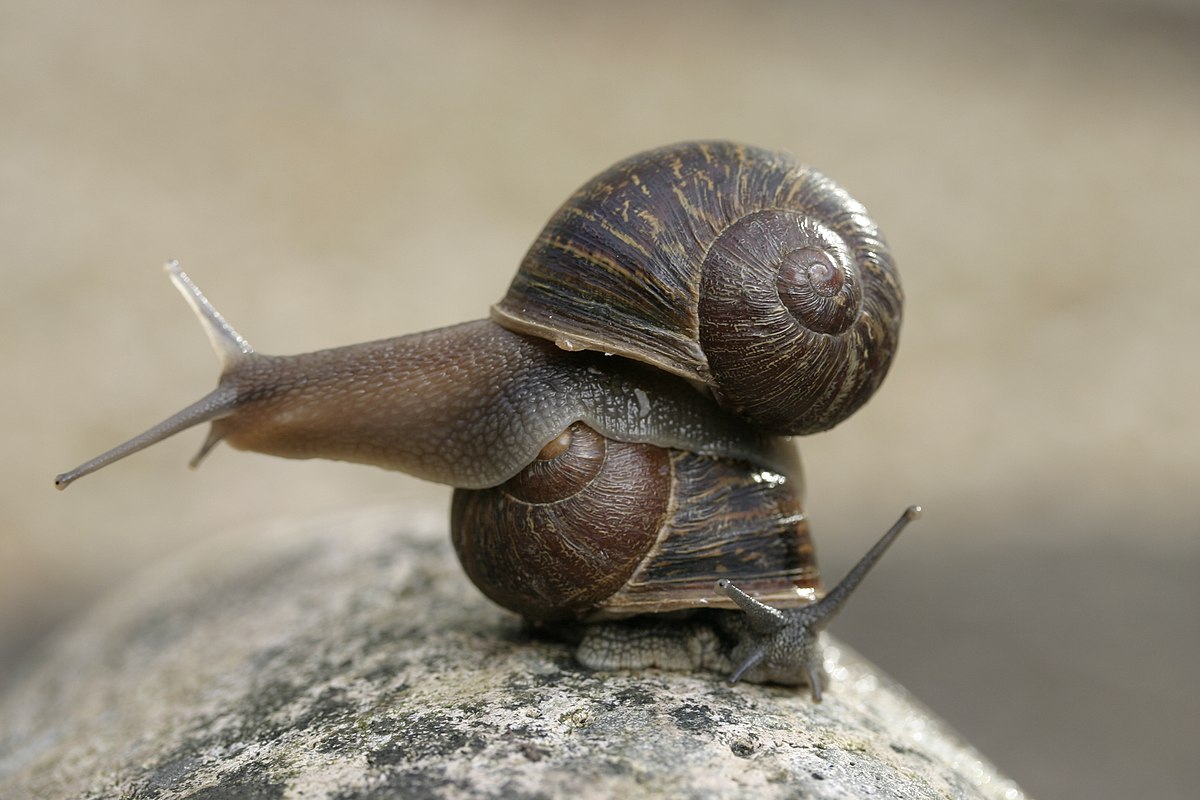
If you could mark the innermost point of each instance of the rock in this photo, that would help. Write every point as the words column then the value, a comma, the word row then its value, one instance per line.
column 348, row 657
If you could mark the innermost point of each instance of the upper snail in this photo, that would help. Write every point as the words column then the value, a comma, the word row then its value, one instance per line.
column 728, row 265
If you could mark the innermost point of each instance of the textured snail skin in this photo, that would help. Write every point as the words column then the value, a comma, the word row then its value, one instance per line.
column 469, row 405
column 725, row 264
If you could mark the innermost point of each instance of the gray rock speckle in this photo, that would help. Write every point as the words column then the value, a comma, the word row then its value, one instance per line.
column 349, row 658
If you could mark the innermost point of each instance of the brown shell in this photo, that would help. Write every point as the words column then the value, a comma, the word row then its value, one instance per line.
column 726, row 264
column 601, row 529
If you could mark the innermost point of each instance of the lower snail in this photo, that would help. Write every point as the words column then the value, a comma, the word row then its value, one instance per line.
column 616, row 432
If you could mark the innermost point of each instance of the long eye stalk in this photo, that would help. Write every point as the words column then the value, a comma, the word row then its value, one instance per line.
column 214, row 405
column 231, row 348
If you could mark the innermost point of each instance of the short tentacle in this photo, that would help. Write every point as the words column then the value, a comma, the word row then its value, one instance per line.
column 750, row 662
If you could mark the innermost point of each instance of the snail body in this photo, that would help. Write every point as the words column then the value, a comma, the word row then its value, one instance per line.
column 468, row 405
column 723, row 297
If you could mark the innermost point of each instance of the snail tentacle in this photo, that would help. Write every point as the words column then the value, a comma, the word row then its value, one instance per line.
column 229, row 345
column 783, row 646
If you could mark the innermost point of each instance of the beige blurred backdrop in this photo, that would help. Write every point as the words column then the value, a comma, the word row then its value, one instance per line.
column 337, row 172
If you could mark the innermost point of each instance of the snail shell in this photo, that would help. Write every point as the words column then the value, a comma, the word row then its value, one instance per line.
column 596, row 528
column 728, row 265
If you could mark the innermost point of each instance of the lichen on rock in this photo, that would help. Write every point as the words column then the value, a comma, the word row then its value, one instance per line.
column 347, row 657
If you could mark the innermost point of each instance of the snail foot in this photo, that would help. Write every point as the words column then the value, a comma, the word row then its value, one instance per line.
column 643, row 642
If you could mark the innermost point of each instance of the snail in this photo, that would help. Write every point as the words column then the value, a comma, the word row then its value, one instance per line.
column 617, row 430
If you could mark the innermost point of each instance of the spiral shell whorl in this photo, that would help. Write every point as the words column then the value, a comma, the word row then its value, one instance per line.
column 803, row 326
column 535, row 543
column 799, row 311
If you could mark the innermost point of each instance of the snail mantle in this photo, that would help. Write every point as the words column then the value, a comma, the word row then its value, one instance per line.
column 348, row 657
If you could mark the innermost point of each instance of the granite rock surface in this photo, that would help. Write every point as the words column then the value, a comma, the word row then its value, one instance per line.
column 348, row 657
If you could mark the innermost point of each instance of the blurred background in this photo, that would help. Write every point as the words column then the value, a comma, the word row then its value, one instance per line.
column 333, row 173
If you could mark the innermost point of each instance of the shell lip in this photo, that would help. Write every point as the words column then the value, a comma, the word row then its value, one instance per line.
column 797, row 596
column 578, row 338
